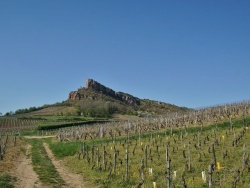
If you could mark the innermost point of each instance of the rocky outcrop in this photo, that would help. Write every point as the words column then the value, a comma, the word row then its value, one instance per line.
column 74, row 95
column 94, row 86
column 129, row 99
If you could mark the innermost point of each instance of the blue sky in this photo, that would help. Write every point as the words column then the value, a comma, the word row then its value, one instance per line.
column 188, row 53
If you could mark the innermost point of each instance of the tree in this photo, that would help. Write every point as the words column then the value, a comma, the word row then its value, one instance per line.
column 1, row 114
column 9, row 113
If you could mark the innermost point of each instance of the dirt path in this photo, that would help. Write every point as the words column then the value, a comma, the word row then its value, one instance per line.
column 72, row 180
column 38, row 137
column 26, row 176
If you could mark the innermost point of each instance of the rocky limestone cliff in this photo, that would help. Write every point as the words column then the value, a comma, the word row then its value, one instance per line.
column 73, row 95
column 94, row 86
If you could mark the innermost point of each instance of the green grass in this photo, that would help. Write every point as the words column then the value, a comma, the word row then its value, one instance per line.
column 61, row 150
column 23, row 150
column 29, row 133
column 43, row 166
column 6, row 181
column 221, row 177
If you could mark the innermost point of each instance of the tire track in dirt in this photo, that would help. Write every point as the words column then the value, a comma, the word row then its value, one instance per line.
column 26, row 176
column 72, row 180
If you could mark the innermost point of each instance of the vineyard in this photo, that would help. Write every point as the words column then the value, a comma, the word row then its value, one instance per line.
column 10, row 149
column 10, row 125
column 199, row 148
column 202, row 148
column 42, row 124
column 135, row 161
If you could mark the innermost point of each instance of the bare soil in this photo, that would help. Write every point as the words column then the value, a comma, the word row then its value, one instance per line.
column 19, row 165
column 72, row 180
column 24, row 173
column 38, row 137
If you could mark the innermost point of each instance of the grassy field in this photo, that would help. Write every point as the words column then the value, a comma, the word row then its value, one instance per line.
column 190, row 152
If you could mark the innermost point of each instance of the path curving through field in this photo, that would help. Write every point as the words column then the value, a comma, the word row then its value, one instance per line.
column 72, row 180
column 26, row 176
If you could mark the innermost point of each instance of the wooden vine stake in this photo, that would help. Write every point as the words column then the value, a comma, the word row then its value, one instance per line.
column 140, row 135
column 104, row 158
column 146, row 155
column 1, row 153
column 14, row 140
column 201, row 126
column 97, row 157
column 231, row 123
column 245, row 158
column 184, row 185
column 127, row 162
column 114, row 162
column 236, row 179
column 199, row 143
column 92, row 154
column 168, row 167
column 210, row 173
column 214, row 157
column 189, row 157
column 142, row 173
column 181, row 137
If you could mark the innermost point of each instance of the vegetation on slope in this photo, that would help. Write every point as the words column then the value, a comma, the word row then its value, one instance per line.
column 190, row 152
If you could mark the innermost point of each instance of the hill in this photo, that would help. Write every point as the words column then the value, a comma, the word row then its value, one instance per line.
column 97, row 100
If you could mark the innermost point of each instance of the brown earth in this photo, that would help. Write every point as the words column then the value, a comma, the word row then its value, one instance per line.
column 12, row 154
column 18, row 164
column 23, row 171
column 38, row 137
column 72, row 180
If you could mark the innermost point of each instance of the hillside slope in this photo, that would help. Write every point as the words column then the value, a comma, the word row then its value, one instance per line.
column 97, row 100
column 97, row 97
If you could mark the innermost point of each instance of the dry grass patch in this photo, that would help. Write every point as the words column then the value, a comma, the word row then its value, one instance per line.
column 12, row 154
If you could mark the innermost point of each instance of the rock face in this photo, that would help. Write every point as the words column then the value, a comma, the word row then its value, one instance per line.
column 94, row 86
column 73, row 95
